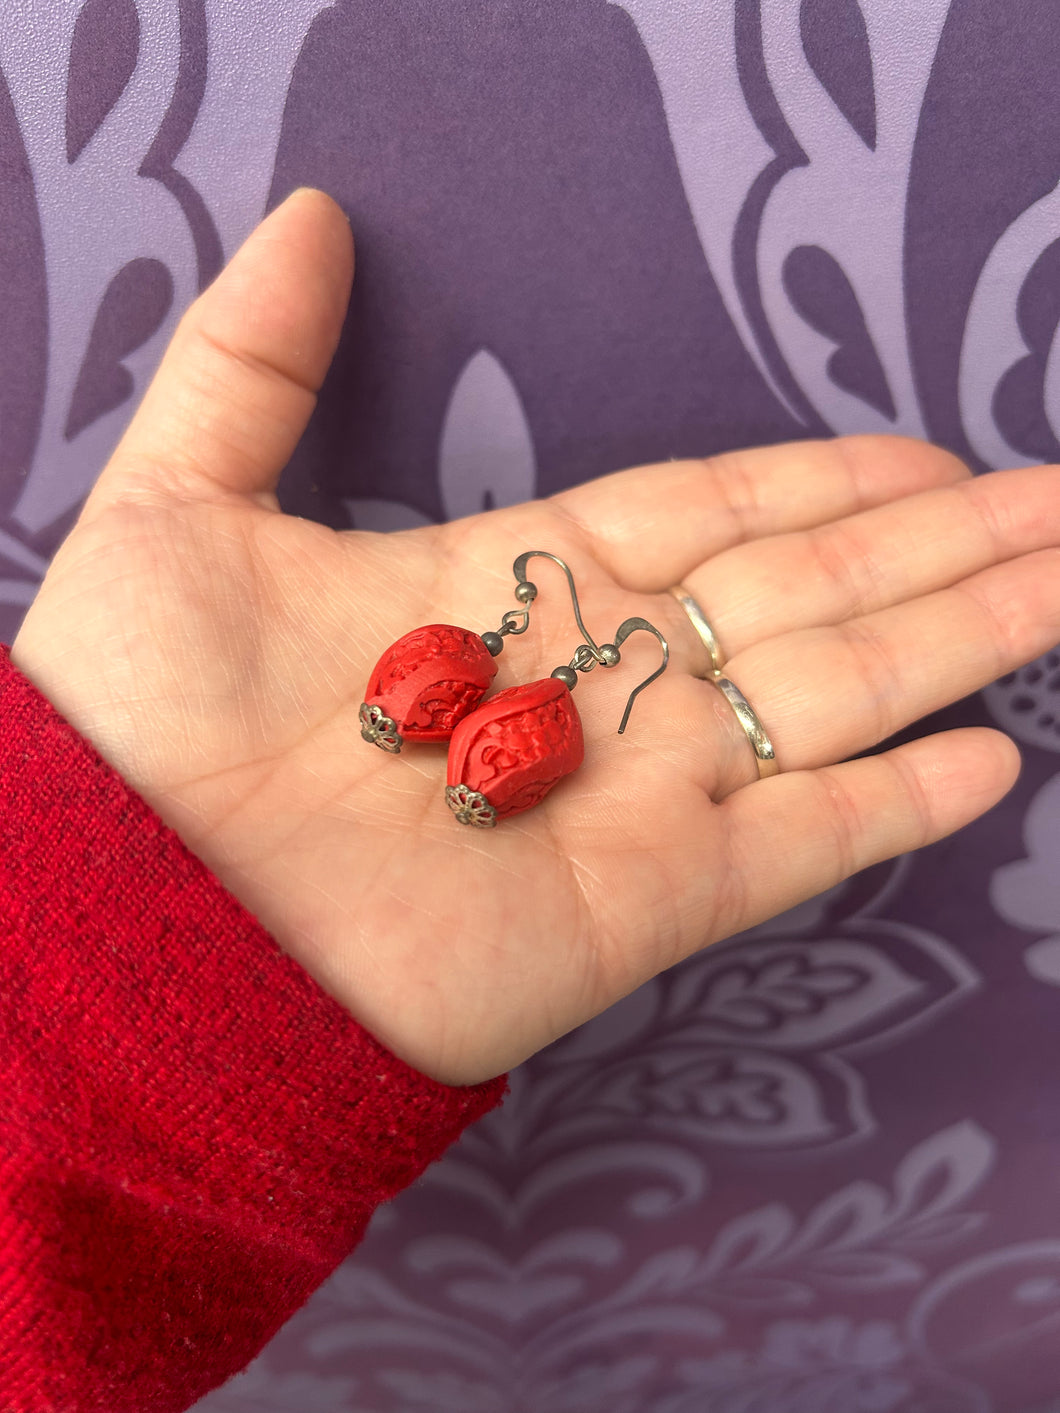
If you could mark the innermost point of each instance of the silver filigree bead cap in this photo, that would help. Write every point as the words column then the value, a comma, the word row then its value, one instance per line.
column 378, row 728
column 470, row 807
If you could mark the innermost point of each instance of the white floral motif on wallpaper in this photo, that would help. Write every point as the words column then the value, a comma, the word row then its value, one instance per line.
column 861, row 1238
column 832, row 1365
column 724, row 157
column 1026, row 703
column 144, row 226
column 521, row 1337
column 91, row 119
column 999, row 1309
column 751, row 1044
column 485, row 458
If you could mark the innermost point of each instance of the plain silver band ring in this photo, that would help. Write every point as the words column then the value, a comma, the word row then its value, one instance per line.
column 756, row 733
column 698, row 619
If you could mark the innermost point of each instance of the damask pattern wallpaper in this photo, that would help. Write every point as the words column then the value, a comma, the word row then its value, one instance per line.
column 815, row 1169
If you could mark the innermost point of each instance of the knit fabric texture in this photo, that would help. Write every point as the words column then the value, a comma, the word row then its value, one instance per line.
column 193, row 1134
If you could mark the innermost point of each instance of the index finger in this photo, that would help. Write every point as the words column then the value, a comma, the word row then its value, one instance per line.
column 652, row 525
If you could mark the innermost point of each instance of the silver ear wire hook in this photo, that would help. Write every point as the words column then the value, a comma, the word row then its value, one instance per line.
column 519, row 570
column 588, row 653
column 632, row 625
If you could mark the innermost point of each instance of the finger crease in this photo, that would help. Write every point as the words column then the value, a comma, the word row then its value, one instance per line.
column 253, row 362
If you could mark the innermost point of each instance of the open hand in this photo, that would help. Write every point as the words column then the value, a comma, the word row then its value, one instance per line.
column 216, row 652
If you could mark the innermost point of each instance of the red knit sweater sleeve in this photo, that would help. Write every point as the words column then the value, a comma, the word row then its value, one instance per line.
column 193, row 1134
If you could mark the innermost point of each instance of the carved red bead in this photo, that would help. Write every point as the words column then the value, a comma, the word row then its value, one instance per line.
column 425, row 684
column 507, row 756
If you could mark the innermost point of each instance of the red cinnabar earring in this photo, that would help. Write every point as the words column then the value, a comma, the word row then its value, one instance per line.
column 429, row 680
column 505, row 757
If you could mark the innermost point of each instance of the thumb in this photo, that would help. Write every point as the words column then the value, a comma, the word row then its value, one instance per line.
column 237, row 384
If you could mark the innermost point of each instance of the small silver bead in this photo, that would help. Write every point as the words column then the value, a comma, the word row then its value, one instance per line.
column 526, row 593
column 610, row 655
column 494, row 642
column 566, row 675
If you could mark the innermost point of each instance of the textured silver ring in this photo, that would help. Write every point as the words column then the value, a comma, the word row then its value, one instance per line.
column 698, row 620
column 756, row 732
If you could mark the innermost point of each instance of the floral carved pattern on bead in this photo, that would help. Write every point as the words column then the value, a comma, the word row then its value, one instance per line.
column 430, row 679
column 513, row 750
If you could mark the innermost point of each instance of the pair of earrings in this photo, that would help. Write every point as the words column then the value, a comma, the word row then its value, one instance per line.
column 506, row 755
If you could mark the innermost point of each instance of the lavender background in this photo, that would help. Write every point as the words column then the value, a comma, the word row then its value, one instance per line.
column 815, row 1169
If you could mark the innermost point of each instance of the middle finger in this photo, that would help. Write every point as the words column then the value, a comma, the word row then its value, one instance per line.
column 868, row 561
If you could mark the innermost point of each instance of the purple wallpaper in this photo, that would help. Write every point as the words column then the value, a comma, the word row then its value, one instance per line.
column 815, row 1169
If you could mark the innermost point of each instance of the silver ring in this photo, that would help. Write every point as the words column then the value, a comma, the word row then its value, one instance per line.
column 698, row 619
column 756, row 732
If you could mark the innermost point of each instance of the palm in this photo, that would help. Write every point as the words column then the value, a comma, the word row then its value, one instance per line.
column 216, row 651
column 244, row 734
